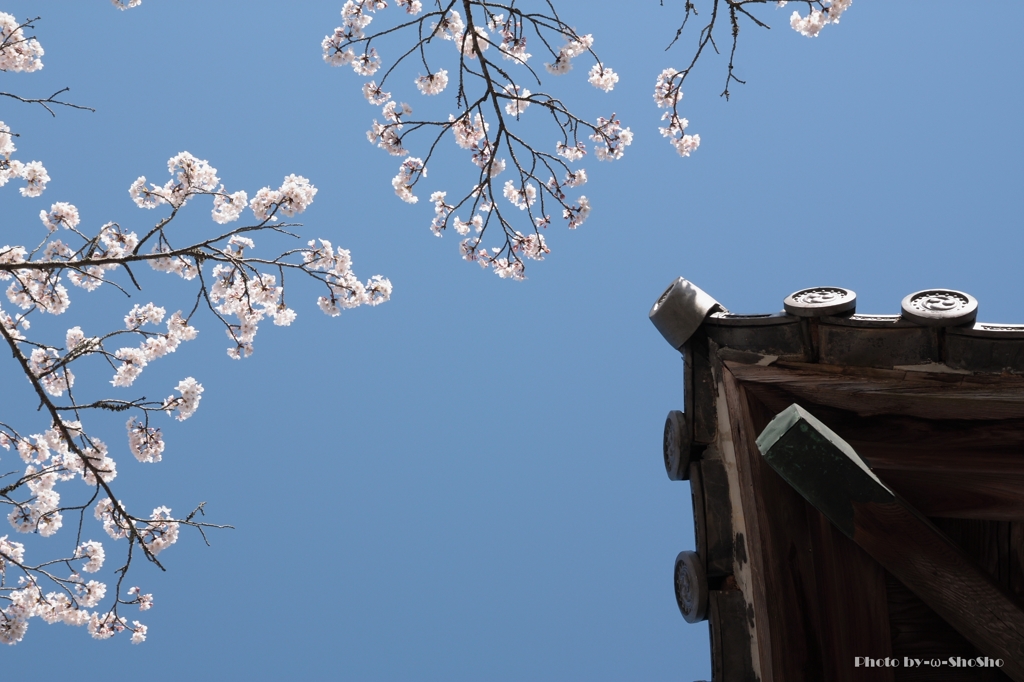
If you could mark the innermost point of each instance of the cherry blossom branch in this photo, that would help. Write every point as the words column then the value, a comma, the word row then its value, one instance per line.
column 489, row 104
column 45, row 102
column 668, row 87
column 22, row 53
column 230, row 281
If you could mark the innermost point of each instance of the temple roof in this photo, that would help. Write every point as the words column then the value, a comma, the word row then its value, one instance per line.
column 857, row 484
column 937, row 331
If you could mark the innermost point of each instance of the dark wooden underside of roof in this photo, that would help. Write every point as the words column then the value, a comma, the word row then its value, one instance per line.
column 950, row 442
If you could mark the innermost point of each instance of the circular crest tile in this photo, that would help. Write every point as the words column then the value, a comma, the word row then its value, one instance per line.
column 821, row 301
column 677, row 446
column 940, row 308
column 691, row 585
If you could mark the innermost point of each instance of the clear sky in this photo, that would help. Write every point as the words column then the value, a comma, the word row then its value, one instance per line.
column 466, row 483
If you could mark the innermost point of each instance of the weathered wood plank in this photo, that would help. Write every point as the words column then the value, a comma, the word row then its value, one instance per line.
column 950, row 468
column 832, row 477
column 1017, row 560
column 687, row 352
column 868, row 391
column 717, row 518
column 987, row 542
column 741, row 431
column 853, row 600
column 919, row 633
column 705, row 420
column 700, row 527
column 962, row 495
column 780, row 552
column 915, row 443
column 730, row 637
column 677, row 445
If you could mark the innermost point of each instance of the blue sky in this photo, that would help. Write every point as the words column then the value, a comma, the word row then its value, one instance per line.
column 466, row 483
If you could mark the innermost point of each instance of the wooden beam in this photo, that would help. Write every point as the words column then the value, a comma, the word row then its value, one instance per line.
column 867, row 391
column 730, row 637
column 830, row 475
column 700, row 528
column 854, row 606
column 717, row 517
column 712, row 516
column 950, row 494
column 958, row 468
column 702, row 382
column 918, row 632
column 994, row 446
column 782, row 587
column 738, row 433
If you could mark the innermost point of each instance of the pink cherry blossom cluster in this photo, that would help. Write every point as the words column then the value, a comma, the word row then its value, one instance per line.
column 611, row 138
column 293, row 197
column 52, row 457
column 154, row 345
column 27, row 601
column 817, row 18
column 575, row 46
column 145, row 601
column 190, row 177
column 356, row 16
column 667, row 94
column 146, row 443
column 432, row 83
column 42, row 513
column 33, row 172
column 345, row 289
column 513, row 41
column 17, row 51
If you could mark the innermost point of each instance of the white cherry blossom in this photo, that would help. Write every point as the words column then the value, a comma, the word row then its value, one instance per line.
column 187, row 403
column 521, row 196
column 93, row 552
column 374, row 95
column 19, row 53
column 817, row 19
column 146, row 443
column 35, row 177
column 433, row 83
column 611, row 138
column 60, row 214
column 241, row 291
column 410, row 170
column 138, row 632
column 602, row 78
column 520, row 99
